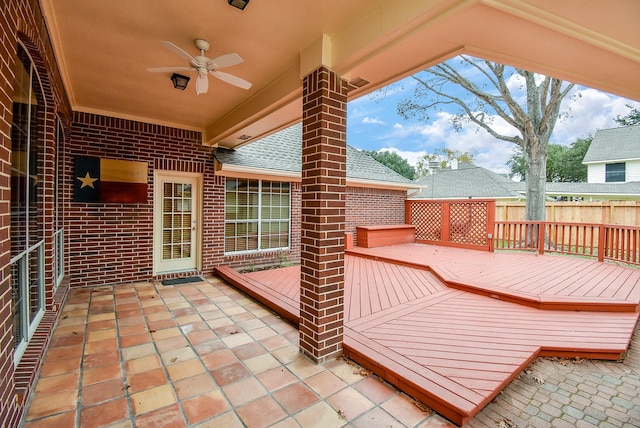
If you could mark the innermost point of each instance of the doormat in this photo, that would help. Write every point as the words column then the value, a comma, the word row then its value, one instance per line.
column 185, row 280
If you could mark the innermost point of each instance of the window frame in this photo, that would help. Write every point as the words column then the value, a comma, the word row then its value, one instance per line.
column 618, row 170
column 253, row 217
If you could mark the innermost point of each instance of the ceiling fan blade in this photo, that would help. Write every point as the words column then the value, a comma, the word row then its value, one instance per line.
column 165, row 69
column 202, row 84
column 180, row 52
column 224, row 61
column 230, row 78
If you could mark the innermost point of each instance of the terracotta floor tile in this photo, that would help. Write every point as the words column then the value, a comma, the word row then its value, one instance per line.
column 165, row 333
column 52, row 367
column 177, row 355
column 225, row 420
column 288, row 354
column 227, row 330
column 262, row 363
column 303, row 368
column 248, row 350
column 100, row 346
column 250, row 324
column 274, row 342
column 206, row 348
column 62, row 382
column 101, row 374
column 375, row 389
column 67, row 419
column 100, row 359
column 275, row 379
column 201, row 336
column 295, row 397
column 104, row 391
column 289, row 422
column 135, row 339
column 376, row 418
column 104, row 414
column 172, row 343
column 262, row 333
column 65, row 352
column 98, row 335
column 170, row 416
column 138, row 351
column 401, row 407
column 188, row 319
column 242, row 392
column 205, row 406
column 141, row 365
column 350, row 403
column 229, row 374
column 152, row 399
column 161, row 325
column 138, row 320
column 75, row 339
column 185, row 369
column 320, row 415
column 145, row 380
column 347, row 370
column 195, row 385
column 219, row 358
column 100, row 325
column 325, row 383
column 261, row 413
column 49, row 404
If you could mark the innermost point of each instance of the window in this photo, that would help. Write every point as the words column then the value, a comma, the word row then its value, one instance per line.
column 27, row 202
column 614, row 172
column 257, row 215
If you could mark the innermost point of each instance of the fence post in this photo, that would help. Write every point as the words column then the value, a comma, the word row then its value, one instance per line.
column 601, row 240
column 541, row 234
column 446, row 220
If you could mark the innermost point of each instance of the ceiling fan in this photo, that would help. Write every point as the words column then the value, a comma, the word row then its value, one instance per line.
column 205, row 66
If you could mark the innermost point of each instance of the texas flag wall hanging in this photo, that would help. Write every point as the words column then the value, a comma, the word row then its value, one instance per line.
column 109, row 180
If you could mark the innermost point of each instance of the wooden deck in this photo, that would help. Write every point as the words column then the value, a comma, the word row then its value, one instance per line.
column 421, row 317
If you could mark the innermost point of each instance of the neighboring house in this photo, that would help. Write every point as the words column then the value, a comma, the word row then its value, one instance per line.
column 470, row 181
column 614, row 156
column 272, row 167
column 467, row 181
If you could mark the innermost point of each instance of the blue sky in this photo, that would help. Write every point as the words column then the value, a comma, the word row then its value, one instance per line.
column 374, row 124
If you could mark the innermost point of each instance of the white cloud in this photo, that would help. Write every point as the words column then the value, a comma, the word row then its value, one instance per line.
column 372, row 120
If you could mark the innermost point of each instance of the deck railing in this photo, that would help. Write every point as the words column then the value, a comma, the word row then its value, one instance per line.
column 471, row 224
column 601, row 241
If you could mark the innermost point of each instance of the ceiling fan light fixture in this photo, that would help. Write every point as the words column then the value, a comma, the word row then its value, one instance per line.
column 180, row 81
column 240, row 4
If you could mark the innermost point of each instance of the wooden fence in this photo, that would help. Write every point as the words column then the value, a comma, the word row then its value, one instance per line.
column 469, row 223
column 601, row 212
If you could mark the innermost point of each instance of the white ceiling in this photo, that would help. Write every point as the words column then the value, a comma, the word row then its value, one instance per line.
column 105, row 47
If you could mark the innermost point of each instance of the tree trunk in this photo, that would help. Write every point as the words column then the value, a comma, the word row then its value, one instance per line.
column 536, row 169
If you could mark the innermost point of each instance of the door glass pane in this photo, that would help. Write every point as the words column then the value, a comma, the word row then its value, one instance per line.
column 176, row 221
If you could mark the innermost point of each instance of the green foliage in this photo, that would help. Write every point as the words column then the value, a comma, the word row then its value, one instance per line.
column 633, row 118
column 564, row 163
column 393, row 161
column 441, row 159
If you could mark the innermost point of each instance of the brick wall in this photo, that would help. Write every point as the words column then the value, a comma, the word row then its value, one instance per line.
column 113, row 243
column 369, row 207
column 22, row 22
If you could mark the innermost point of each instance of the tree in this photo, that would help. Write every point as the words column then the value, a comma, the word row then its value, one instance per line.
column 564, row 163
column 533, row 122
column 394, row 161
column 441, row 159
column 633, row 118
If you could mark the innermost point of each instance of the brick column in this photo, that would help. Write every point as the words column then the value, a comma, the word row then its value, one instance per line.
column 324, row 157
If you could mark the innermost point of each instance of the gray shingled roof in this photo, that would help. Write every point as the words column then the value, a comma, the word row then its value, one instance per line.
column 587, row 189
column 466, row 181
column 614, row 144
column 282, row 151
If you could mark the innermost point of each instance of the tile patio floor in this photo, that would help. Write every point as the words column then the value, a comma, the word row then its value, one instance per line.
column 205, row 355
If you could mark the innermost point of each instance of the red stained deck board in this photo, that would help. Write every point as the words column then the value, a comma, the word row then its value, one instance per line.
column 455, row 350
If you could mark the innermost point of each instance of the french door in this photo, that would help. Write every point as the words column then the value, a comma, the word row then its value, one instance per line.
column 177, row 213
